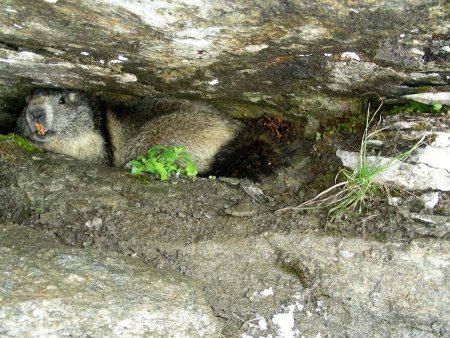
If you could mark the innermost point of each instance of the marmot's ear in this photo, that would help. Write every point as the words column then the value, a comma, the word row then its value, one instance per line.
column 72, row 96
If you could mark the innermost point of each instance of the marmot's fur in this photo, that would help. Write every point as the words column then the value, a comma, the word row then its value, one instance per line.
column 68, row 122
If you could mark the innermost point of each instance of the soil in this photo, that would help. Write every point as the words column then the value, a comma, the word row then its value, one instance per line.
column 210, row 229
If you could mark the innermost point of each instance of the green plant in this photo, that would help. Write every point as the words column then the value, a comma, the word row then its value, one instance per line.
column 436, row 106
column 358, row 185
column 164, row 161
column 415, row 107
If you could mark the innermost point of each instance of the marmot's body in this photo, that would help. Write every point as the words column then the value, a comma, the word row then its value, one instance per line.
column 66, row 122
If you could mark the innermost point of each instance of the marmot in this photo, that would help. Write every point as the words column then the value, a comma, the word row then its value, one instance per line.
column 69, row 122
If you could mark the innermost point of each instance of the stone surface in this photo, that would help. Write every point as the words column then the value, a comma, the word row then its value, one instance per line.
column 421, row 176
column 263, row 272
column 375, row 288
column 431, row 98
column 50, row 290
column 299, row 57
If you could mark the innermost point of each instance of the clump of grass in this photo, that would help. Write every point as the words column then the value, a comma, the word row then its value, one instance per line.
column 164, row 161
column 358, row 186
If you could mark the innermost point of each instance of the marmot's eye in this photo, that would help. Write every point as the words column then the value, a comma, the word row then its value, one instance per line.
column 62, row 100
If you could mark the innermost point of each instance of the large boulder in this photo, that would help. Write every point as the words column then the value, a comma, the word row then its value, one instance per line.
column 52, row 290
column 296, row 56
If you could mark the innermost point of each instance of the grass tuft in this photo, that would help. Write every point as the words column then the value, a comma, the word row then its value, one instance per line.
column 358, row 185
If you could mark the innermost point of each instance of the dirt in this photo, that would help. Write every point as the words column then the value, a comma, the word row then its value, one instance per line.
column 214, row 230
column 191, row 209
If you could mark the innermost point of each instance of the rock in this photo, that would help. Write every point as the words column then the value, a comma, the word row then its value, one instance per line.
column 335, row 286
column 274, row 53
column 430, row 199
column 265, row 274
column 430, row 98
column 257, row 272
column 437, row 154
column 363, row 282
column 52, row 290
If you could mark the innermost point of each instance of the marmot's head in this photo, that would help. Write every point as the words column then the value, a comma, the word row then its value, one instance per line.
column 50, row 113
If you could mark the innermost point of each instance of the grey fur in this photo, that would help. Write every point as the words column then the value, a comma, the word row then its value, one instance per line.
column 74, row 128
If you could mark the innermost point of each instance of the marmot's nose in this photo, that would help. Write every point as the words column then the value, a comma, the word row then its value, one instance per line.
column 36, row 114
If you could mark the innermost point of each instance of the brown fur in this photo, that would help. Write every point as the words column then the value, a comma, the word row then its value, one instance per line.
column 200, row 130
column 72, row 128
column 69, row 122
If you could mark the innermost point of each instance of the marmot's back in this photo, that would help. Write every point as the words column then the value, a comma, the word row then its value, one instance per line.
column 66, row 122
column 196, row 127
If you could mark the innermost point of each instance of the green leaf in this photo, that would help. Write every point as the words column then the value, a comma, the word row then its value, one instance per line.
column 178, row 150
column 135, row 163
column 184, row 155
column 436, row 106
column 136, row 170
column 168, row 156
column 163, row 161
column 151, row 167
column 191, row 169
column 172, row 168
column 161, row 171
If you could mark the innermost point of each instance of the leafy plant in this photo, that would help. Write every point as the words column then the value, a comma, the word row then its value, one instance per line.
column 359, row 185
column 436, row 106
column 164, row 161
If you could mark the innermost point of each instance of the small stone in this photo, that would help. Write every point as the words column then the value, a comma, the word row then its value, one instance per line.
column 252, row 191
column 97, row 223
column 394, row 201
column 430, row 199
column 430, row 98
column 242, row 209
column 230, row 180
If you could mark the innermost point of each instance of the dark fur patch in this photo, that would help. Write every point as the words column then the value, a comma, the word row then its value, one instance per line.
column 252, row 153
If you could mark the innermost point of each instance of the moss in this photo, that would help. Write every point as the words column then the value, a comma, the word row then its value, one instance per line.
column 21, row 142
column 143, row 179
column 425, row 89
column 295, row 270
column 348, row 123
column 412, row 107
column 243, row 110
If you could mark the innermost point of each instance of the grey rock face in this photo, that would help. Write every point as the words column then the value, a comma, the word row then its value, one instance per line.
column 51, row 290
column 377, row 289
column 271, row 52
column 264, row 273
